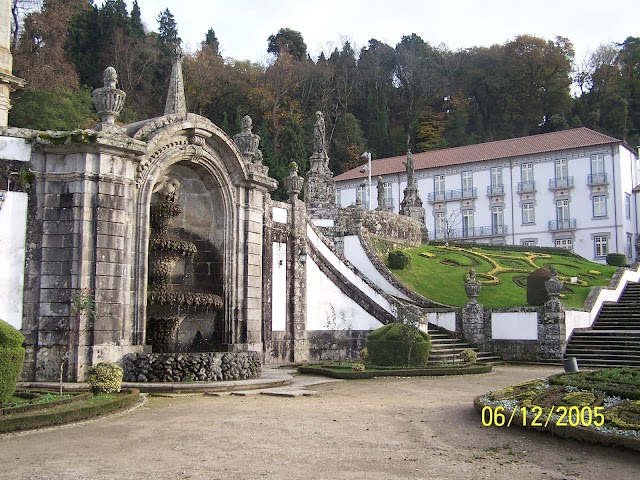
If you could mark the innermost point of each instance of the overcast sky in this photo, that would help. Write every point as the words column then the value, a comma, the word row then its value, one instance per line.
column 242, row 26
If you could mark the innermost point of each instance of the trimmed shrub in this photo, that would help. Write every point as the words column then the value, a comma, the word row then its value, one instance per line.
column 617, row 260
column 11, row 358
column 536, row 292
column 364, row 354
column 105, row 377
column 398, row 259
column 468, row 356
column 390, row 345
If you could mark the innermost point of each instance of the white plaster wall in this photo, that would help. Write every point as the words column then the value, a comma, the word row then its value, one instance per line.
column 15, row 149
column 446, row 320
column 514, row 325
column 576, row 319
column 346, row 271
column 279, row 215
column 322, row 294
column 279, row 287
column 13, row 231
column 358, row 257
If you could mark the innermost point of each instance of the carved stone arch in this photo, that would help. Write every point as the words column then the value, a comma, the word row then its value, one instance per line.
column 202, row 147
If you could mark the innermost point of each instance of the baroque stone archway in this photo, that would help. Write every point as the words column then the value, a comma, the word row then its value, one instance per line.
column 197, row 152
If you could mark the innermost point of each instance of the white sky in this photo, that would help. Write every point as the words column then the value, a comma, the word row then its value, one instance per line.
column 242, row 26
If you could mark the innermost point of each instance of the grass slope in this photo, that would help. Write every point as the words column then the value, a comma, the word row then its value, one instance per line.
column 438, row 272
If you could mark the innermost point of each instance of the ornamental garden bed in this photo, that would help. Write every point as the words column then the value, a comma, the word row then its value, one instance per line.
column 602, row 406
column 345, row 370
column 26, row 413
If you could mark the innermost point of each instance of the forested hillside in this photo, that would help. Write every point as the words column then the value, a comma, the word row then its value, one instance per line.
column 382, row 98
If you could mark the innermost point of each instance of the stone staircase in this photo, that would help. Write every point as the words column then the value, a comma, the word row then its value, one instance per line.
column 614, row 338
column 446, row 349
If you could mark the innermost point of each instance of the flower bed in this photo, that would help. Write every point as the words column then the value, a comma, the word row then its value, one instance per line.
column 586, row 406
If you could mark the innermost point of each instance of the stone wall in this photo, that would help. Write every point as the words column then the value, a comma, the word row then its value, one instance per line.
column 355, row 220
column 180, row 367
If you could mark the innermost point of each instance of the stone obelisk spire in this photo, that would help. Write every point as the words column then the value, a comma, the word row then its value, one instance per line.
column 176, row 102
column 8, row 82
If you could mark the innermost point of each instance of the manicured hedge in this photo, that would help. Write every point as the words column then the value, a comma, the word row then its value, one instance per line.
column 69, row 413
column 428, row 371
column 387, row 346
column 11, row 358
column 617, row 260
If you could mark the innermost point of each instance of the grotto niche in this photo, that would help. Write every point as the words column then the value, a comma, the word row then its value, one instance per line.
column 185, row 289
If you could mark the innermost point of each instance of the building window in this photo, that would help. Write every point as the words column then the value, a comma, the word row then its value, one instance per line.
column 562, row 211
column 529, row 243
column 497, row 220
column 361, row 194
column 467, row 181
column 627, row 205
column 629, row 245
column 338, row 198
column 438, row 183
column 600, row 206
column 528, row 213
column 526, row 172
column 467, row 223
column 561, row 169
column 600, row 244
column 388, row 194
column 441, row 223
column 564, row 243
column 597, row 165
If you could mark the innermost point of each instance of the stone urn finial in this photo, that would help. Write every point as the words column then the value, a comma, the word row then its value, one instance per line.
column 472, row 287
column 554, row 286
column 248, row 142
column 109, row 101
column 294, row 182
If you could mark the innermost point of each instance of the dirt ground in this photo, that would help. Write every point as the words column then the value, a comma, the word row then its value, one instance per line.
column 393, row 428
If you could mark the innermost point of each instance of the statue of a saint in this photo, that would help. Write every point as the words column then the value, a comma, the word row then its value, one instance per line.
column 381, row 202
column 408, row 165
column 319, row 134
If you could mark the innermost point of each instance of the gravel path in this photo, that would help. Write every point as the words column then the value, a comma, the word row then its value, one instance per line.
column 376, row 429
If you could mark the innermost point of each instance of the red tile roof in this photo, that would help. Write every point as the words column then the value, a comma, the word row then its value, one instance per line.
column 515, row 147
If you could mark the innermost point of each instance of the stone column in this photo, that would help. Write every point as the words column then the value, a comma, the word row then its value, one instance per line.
column 551, row 323
column 473, row 325
column 297, row 252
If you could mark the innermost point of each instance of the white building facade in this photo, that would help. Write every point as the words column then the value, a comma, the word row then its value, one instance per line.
column 572, row 189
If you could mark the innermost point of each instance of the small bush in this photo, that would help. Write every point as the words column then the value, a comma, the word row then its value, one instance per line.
column 387, row 346
column 617, row 260
column 398, row 259
column 364, row 354
column 357, row 367
column 11, row 358
column 105, row 377
column 468, row 356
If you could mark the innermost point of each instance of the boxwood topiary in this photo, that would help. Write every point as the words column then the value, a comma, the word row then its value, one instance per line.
column 536, row 291
column 388, row 346
column 617, row 260
column 105, row 377
column 11, row 358
column 398, row 259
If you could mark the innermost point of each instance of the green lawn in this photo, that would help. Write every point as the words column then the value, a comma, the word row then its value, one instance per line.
column 437, row 272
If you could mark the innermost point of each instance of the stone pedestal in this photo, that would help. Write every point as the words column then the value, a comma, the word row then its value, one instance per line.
column 552, row 326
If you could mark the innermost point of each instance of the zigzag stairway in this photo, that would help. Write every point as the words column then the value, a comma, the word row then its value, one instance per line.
column 614, row 338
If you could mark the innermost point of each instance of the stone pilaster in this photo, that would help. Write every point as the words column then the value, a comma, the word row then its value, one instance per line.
column 297, row 327
column 473, row 322
column 552, row 325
